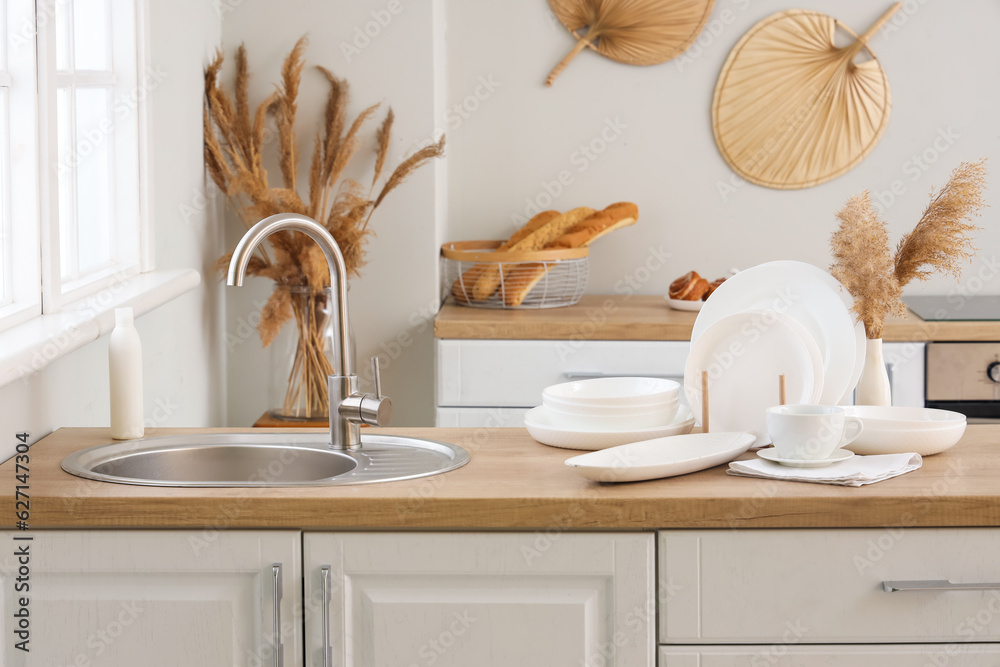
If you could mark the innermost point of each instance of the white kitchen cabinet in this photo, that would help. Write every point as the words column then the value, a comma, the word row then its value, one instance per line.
column 473, row 417
column 154, row 598
column 472, row 375
column 543, row 599
column 905, row 365
column 784, row 655
column 826, row 586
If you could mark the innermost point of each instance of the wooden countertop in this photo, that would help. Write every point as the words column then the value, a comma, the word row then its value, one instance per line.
column 514, row 482
column 598, row 317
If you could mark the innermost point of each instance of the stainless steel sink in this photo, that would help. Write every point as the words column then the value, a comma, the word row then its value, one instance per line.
column 266, row 459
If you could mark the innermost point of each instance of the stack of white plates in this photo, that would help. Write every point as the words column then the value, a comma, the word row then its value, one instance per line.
column 606, row 412
column 780, row 318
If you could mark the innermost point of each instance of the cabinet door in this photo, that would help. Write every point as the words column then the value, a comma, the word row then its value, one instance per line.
column 783, row 655
column 513, row 373
column 155, row 599
column 825, row 586
column 463, row 599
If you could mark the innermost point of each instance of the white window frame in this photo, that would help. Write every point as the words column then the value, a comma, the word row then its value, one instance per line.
column 131, row 235
column 34, row 336
column 19, row 216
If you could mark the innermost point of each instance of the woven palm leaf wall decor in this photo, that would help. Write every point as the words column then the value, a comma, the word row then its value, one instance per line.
column 634, row 32
column 792, row 109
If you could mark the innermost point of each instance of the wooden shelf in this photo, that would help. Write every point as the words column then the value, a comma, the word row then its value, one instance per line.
column 617, row 317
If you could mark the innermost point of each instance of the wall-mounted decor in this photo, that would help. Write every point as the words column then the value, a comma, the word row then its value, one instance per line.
column 634, row 32
column 792, row 109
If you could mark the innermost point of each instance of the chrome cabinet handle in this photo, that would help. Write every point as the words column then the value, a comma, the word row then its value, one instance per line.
column 934, row 585
column 279, row 648
column 327, row 648
column 588, row 375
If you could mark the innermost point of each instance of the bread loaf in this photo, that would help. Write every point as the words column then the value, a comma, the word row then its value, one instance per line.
column 489, row 280
column 461, row 289
column 583, row 233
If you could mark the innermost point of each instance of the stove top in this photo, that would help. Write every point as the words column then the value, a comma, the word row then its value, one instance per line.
column 956, row 307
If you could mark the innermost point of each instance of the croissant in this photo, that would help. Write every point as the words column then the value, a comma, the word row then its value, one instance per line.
column 689, row 287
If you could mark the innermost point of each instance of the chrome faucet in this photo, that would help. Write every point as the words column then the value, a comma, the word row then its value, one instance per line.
column 349, row 408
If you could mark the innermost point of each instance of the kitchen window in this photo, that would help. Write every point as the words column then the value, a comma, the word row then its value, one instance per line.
column 70, row 159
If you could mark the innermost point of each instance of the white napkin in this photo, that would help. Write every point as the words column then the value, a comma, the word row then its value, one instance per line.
column 855, row 471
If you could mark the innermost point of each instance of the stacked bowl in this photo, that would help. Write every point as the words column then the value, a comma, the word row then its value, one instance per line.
column 612, row 403
column 608, row 411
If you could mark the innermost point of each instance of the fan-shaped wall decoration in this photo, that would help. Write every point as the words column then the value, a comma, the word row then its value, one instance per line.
column 792, row 109
column 634, row 32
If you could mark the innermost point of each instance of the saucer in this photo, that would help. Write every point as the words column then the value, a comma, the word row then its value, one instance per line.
column 541, row 429
column 838, row 455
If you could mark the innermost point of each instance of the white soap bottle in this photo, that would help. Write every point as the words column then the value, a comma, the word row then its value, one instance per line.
column 125, row 366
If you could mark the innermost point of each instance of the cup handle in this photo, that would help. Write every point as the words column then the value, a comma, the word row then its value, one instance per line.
column 853, row 427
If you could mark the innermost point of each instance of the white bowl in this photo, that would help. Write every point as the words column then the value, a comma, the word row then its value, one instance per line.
column 616, row 419
column 877, row 439
column 631, row 407
column 638, row 410
column 541, row 428
column 903, row 417
column 606, row 392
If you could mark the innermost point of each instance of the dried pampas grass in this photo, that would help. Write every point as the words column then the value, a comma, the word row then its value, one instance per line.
column 863, row 263
column 234, row 143
column 940, row 242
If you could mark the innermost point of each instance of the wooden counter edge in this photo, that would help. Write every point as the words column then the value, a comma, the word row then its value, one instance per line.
column 954, row 489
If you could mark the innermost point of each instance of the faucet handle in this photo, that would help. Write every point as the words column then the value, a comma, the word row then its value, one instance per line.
column 376, row 410
column 377, row 376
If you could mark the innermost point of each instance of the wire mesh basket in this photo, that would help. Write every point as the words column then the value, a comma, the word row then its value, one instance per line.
column 476, row 274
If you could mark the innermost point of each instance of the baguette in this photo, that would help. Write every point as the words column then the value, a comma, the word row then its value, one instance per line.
column 461, row 289
column 583, row 233
column 491, row 278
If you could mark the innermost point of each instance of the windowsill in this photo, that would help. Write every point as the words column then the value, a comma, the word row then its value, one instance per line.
column 27, row 348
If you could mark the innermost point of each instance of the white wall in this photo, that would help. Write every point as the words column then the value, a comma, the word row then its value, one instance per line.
column 182, row 351
column 510, row 136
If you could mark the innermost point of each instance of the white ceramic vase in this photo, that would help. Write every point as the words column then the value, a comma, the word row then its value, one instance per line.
column 873, row 387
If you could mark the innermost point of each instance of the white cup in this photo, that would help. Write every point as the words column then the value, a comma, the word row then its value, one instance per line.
column 810, row 432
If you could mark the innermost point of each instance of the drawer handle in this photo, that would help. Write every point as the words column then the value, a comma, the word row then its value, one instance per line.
column 934, row 585
column 585, row 375
column 327, row 648
column 279, row 649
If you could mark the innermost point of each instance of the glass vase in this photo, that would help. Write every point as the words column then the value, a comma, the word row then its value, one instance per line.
column 303, row 356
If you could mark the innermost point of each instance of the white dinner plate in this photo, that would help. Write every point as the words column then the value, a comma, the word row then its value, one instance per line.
column 662, row 457
column 682, row 304
column 838, row 455
column 541, row 429
column 810, row 296
column 744, row 355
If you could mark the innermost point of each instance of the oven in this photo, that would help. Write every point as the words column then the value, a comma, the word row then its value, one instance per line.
column 964, row 377
column 961, row 376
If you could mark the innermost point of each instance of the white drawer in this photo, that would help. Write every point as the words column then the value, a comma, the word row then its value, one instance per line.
column 783, row 655
column 751, row 586
column 514, row 373
column 474, row 417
